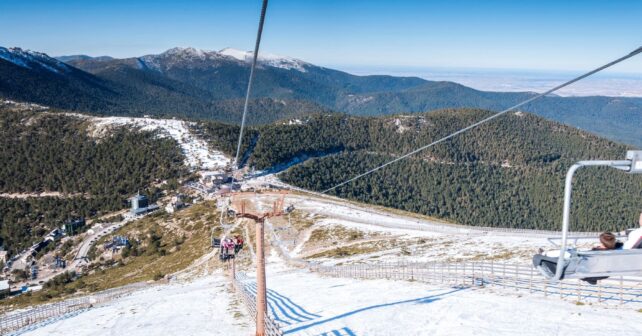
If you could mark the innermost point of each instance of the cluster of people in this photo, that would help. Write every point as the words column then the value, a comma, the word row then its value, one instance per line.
column 230, row 247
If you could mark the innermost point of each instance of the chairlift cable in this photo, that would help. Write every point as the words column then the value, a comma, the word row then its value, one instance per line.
column 249, row 84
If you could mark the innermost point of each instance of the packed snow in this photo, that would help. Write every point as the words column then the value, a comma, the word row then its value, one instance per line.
column 197, row 153
column 305, row 303
column 201, row 307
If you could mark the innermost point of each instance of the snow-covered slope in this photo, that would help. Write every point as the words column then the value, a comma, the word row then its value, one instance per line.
column 309, row 304
column 305, row 303
column 197, row 154
column 31, row 59
column 202, row 307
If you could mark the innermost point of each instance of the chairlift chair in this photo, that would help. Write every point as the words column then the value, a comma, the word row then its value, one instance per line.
column 289, row 209
column 574, row 264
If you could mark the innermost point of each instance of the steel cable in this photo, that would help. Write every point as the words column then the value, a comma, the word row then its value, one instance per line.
column 249, row 84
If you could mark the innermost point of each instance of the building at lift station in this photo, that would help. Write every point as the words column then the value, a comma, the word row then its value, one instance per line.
column 140, row 205
column 139, row 201
column 74, row 226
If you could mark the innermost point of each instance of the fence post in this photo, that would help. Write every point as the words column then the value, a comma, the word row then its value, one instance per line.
column 456, row 273
column 516, row 277
column 412, row 274
column 530, row 281
column 621, row 289
column 448, row 273
column 504, row 275
column 599, row 291
column 579, row 290
column 561, row 288
column 492, row 272
column 473, row 282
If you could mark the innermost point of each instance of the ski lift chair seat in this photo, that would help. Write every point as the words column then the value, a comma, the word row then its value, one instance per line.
column 592, row 264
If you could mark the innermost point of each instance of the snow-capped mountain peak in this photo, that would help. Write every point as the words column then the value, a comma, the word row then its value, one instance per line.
column 28, row 59
column 178, row 57
column 272, row 60
column 237, row 54
column 187, row 52
column 193, row 57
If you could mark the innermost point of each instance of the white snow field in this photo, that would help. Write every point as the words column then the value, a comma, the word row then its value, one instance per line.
column 305, row 303
column 201, row 307
column 197, row 153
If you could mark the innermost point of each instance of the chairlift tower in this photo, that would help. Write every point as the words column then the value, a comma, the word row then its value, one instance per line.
column 261, row 288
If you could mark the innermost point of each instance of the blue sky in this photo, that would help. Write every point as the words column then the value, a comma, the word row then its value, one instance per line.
column 538, row 35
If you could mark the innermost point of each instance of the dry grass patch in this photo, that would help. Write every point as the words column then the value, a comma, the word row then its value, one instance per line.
column 355, row 249
column 301, row 220
column 335, row 234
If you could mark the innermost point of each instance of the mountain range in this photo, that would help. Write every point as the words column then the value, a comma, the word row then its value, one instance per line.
column 198, row 84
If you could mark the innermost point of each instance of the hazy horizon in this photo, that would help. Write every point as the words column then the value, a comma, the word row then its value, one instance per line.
column 571, row 35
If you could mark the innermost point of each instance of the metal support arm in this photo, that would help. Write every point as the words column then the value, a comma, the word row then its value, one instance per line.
column 568, row 187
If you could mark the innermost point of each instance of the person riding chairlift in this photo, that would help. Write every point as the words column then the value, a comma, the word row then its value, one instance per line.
column 226, row 245
column 238, row 244
column 607, row 242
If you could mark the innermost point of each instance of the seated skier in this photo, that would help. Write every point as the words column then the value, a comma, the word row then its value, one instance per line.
column 608, row 242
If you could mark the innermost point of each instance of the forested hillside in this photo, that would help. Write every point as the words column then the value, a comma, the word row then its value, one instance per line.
column 48, row 152
column 507, row 173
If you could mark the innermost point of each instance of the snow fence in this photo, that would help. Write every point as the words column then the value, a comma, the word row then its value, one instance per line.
column 42, row 314
column 249, row 300
column 506, row 276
